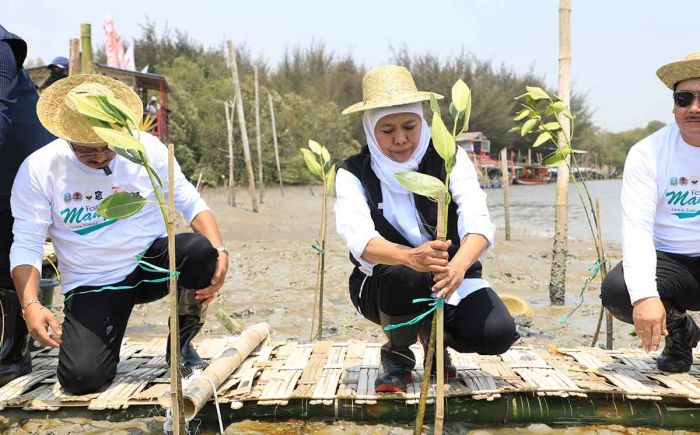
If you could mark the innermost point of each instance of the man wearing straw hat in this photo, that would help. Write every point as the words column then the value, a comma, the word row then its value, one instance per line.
column 107, row 266
column 658, row 279
column 21, row 133
column 390, row 234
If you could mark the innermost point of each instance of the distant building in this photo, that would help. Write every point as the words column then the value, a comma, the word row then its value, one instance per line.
column 474, row 142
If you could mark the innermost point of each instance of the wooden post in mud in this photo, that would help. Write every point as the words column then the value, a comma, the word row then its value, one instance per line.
column 199, row 181
column 74, row 60
column 242, row 126
column 176, row 403
column 86, row 65
column 261, row 182
column 506, row 190
column 529, row 156
column 274, row 141
column 229, row 107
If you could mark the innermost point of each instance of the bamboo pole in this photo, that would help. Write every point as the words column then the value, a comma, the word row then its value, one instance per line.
column 261, row 180
column 199, row 391
column 321, row 264
column 229, row 107
column 603, row 273
column 439, row 333
column 420, row 414
column 557, row 283
column 274, row 141
column 74, row 62
column 506, row 190
column 199, row 180
column 86, row 65
column 242, row 126
column 233, row 327
column 176, row 403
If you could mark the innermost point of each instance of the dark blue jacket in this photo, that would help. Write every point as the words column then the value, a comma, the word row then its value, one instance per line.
column 21, row 133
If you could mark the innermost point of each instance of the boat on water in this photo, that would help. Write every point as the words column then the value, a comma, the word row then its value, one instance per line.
column 533, row 174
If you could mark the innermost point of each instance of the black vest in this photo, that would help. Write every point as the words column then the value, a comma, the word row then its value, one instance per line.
column 432, row 164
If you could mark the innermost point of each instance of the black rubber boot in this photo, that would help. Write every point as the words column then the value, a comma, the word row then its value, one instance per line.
column 15, row 359
column 683, row 336
column 424, row 336
column 191, row 320
column 397, row 359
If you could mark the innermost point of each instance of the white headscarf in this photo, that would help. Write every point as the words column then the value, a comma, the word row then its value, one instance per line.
column 382, row 165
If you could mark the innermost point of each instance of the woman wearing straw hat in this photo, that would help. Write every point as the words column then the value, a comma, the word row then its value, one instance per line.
column 390, row 233
column 659, row 276
column 57, row 191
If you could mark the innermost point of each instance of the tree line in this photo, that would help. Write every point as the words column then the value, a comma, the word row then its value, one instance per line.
column 311, row 85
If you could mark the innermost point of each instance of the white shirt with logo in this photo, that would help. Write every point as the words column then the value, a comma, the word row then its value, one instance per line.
column 660, row 206
column 55, row 194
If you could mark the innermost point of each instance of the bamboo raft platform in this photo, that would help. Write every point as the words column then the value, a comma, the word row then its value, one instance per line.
column 330, row 380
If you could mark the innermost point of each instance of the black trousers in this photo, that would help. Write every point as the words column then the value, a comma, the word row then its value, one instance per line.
column 677, row 281
column 95, row 323
column 480, row 323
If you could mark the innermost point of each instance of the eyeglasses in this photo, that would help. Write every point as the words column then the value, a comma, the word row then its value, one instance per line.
column 89, row 156
column 685, row 98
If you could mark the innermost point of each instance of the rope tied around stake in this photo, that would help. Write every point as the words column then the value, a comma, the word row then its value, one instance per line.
column 319, row 250
column 593, row 270
column 433, row 303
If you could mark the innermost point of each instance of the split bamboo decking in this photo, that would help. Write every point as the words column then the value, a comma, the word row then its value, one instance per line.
column 336, row 381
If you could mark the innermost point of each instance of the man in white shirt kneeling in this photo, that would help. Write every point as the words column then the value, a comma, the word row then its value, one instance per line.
column 659, row 277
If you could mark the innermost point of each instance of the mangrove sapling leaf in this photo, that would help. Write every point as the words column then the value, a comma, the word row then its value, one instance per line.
column 443, row 141
column 552, row 126
column 311, row 163
column 88, row 105
column 528, row 126
column 542, row 138
column 121, row 205
column 123, row 109
column 456, row 114
column 461, row 96
column 537, row 93
column 119, row 139
column 521, row 115
column 111, row 110
column 127, row 154
column 330, row 180
column 325, row 155
column 421, row 184
column 558, row 106
column 434, row 106
column 315, row 147
column 557, row 156
column 155, row 175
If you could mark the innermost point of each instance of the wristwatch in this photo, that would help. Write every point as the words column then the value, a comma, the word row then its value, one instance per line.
column 221, row 249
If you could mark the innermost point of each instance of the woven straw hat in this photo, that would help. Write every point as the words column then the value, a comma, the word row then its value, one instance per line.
column 688, row 68
column 386, row 86
column 58, row 114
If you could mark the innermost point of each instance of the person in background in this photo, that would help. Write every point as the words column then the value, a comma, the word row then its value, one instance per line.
column 21, row 134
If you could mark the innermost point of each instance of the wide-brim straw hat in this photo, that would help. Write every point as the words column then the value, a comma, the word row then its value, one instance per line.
column 688, row 68
column 58, row 113
column 386, row 86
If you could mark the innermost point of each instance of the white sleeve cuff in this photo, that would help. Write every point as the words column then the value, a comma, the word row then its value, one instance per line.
column 483, row 227
column 21, row 256
column 199, row 206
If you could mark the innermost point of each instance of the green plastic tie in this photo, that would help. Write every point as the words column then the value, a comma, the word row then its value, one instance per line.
column 318, row 249
column 594, row 271
column 434, row 304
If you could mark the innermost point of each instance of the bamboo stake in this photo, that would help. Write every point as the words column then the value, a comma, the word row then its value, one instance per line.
column 321, row 264
column 199, row 180
column 439, row 334
column 274, row 141
column 420, row 415
column 557, row 283
column 261, row 181
column 229, row 107
column 603, row 273
column 86, row 67
column 506, row 190
column 242, row 126
column 233, row 327
column 74, row 62
column 176, row 403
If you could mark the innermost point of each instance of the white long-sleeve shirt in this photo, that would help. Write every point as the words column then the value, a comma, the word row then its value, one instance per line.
column 660, row 206
column 355, row 226
column 55, row 194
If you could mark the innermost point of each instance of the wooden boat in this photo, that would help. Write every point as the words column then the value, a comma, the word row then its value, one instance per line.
column 336, row 381
column 532, row 174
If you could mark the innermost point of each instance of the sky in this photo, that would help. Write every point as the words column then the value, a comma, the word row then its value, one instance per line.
column 617, row 45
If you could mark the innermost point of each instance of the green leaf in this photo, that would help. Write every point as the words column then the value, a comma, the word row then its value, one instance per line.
column 119, row 139
column 556, row 157
column 325, row 155
column 552, row 126
column 542, row 138
column 528, row 126
column 443, row 141
column 124, row 110
column 421, row 184
column 453, row 111
column 155, row 175
column 467, row 113
column 128, row 154
column 330, row 180
column 89, row 106
column 536, row 93
column 315, row 147
column 558, row 106
column 521, row 115
column 567, row 114
column 121, row 205
column 112, row 111
column 461, row 95
column 434, row 106
column 312, row 163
